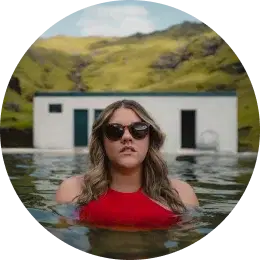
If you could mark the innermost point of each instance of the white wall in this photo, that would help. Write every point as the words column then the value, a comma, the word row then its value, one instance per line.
column 213, row 113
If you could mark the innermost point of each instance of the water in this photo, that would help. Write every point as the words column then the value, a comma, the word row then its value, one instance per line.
column 219, row 183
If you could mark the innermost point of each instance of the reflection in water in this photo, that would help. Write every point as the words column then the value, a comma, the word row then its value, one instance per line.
column 188, row 173
column 130, row 245
column 219, row 183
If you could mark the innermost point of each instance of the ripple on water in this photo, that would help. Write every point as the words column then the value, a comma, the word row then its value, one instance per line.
column 218, row 182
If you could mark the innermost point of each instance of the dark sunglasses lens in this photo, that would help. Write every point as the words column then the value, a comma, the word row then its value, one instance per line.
column 139, row 130
column 114, row 131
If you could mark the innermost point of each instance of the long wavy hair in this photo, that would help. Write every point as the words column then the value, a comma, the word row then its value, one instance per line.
column 155, row 182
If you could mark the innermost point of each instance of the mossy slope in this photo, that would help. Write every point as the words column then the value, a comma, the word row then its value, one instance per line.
column 185, row 57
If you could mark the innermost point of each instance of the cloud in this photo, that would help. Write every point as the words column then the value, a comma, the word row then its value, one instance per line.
column 115, row 21
column 194, row 11
column 90, row 3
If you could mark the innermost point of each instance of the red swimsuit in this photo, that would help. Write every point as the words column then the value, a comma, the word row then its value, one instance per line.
column 133, row 210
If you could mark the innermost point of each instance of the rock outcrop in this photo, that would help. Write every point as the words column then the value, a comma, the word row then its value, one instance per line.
column 80, row 63
column 211, row 45
column 14, row 84
column 172, row 59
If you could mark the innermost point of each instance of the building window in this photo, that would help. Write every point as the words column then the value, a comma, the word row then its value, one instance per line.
column 55, row 108
column 97, row 113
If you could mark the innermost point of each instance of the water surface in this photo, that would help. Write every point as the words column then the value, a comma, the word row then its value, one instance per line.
column 219, row 183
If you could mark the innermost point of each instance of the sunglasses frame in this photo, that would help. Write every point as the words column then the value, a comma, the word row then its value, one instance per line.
column 130, row 129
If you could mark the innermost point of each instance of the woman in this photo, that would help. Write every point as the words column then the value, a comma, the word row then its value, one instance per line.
column 127, row 184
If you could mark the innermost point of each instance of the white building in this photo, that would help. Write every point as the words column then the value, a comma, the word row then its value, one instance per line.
column 199, row 120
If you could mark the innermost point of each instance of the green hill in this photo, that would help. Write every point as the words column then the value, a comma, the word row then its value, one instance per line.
column 185, row 57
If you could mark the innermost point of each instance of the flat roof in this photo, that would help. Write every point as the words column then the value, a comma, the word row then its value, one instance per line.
column 146, row 94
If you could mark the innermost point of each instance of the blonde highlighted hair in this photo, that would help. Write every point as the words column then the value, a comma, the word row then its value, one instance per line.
column 155, row 181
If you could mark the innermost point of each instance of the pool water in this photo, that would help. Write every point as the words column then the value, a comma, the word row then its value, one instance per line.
column 219, row 183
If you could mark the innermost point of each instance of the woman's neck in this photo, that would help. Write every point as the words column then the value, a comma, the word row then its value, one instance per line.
column 126, row 180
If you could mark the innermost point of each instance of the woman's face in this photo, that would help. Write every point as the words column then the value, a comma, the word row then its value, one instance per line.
column 116, row 150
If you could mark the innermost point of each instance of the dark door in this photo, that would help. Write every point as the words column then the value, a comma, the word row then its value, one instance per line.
column 188, row 129
column 97, row 112
column 80, row 127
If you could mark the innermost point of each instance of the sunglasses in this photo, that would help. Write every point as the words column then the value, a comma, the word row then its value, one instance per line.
column 115, row 131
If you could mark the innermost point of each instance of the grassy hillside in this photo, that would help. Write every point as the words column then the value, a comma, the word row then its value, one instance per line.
column 185, row 57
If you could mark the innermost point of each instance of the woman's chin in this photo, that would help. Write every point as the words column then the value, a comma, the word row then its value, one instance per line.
column 128, row 162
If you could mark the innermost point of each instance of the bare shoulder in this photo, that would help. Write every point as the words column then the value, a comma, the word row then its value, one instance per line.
column 186, row 192
column 69, row 189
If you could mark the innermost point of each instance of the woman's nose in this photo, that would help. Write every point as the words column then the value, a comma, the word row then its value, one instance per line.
column 126, row 136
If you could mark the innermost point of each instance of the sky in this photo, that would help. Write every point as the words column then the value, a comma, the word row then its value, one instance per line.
column 119, row 18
